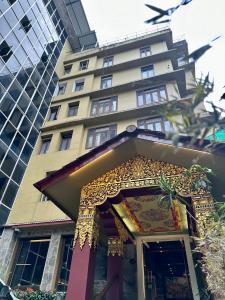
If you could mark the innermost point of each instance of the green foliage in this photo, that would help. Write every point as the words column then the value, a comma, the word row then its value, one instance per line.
column 30, row 294
column 192, row 123
column 199, row 180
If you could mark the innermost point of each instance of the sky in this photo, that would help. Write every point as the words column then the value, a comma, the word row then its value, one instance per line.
column 198, row 22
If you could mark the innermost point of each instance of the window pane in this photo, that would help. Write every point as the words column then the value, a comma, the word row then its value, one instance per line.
column 30, row 263
column 140, row 100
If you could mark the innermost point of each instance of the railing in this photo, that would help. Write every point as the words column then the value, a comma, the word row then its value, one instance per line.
column 106, row 288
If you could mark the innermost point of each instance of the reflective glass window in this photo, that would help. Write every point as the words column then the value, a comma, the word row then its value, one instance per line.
column 5, row 51
column 10, row 194
column 8, row 133
column 3, row 182
column 9, row 163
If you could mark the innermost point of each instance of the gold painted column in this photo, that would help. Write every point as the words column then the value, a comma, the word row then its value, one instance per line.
column 115, row 268
column 203, row 206
column 82, row 270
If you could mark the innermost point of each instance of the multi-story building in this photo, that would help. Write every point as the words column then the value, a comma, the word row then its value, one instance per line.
column 101, row 92
column 32, row 36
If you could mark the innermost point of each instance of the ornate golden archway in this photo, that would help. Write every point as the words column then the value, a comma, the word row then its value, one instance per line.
column 137, row 172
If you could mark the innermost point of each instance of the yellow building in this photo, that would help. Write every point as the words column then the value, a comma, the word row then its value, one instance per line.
column 104, row 94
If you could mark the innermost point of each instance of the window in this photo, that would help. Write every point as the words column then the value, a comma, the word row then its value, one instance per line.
column 67, row 69
column 5, row 51
column 97, row 136
column 73, row 109
column 106, row 82
column 83, row 65
column 104, row 106
column 78, row 85
column 181, row 61
column 151, row 96
column 60, row 89
column 145, row 51
column 30, row 262
column 53, row 113
column 147, row 71
column 64, row 269
column 25, row 23
column 45, row 144
column 156, row 124
column 107, row 61
column 65, row 140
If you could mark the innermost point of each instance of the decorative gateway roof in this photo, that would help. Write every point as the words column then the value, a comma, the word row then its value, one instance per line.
column 64, row 187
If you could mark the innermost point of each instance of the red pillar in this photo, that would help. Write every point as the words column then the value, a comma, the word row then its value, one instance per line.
column 115, row 268
column 82, row 271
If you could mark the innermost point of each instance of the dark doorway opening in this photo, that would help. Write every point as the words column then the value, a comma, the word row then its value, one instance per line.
column 166, row 271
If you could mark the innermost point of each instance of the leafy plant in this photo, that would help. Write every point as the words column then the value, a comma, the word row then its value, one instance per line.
column 30, row 294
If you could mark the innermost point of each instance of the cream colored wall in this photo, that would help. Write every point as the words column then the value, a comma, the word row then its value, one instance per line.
column 134, row 74
column 28, row 207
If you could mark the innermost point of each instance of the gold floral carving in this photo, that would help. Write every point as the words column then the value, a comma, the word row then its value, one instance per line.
column 87, row 227
column 115, row 246
column 135, row 173
column 123, row 233
column 203, row 205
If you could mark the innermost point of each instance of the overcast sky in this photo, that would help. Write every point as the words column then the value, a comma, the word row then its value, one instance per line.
column 198, row 22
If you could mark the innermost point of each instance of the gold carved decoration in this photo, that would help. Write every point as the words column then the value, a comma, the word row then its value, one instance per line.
column 135, row 173
column 115, row 246
column 123, row 233
column 87, row 227
column 203, row 205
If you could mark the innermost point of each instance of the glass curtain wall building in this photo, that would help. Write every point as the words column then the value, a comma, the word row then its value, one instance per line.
column 32, row 35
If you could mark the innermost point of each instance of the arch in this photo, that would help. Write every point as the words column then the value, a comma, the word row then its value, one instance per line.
column 137, row 172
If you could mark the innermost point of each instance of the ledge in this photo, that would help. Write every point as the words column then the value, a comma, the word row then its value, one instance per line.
column 137, row 112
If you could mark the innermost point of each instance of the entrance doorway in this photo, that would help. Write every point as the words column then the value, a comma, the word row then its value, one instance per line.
column 165, row 268
column 166, row 273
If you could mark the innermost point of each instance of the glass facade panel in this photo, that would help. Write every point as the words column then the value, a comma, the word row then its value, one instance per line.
column 32, row 37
